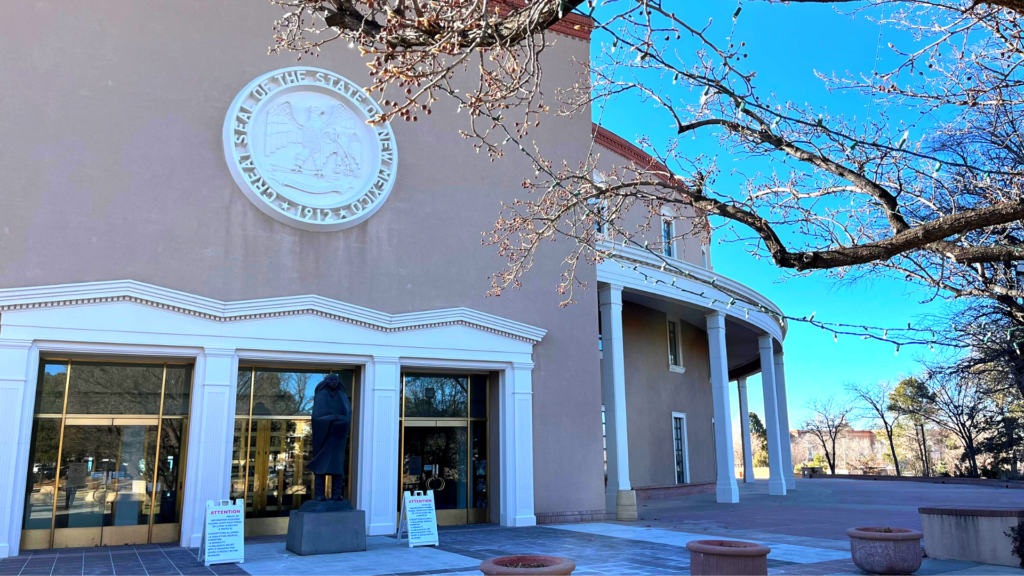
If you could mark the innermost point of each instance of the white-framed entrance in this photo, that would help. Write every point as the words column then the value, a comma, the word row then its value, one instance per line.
column 127, row 319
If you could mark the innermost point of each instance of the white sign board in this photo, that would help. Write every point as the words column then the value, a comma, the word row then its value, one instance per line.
column 223, row 533
column 418, row 518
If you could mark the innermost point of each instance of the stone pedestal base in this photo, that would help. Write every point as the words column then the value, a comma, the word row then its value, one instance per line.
column 625, row 506
column 313, row 532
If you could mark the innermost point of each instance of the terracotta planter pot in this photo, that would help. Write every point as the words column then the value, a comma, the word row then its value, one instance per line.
column 709, row 557
column 507, row 565
column 881, row 550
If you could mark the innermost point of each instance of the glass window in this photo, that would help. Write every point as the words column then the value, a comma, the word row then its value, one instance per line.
column 667, row 235
column 42, row 471
column 177, row 390
column 102, row 388
column 673, row 344
column 290, row 392
column 679, row 439
column 435, row 396
column 243, row 391
column 169, row 470
column 50, row 390
column 703, row 256
column 478, row 396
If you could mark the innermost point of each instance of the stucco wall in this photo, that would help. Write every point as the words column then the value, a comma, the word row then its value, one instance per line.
column 653, row 393
column 114, row 169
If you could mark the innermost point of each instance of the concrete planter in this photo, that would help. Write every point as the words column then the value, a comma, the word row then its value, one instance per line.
column 885, row 550
column 712, row 557
column 527, row 564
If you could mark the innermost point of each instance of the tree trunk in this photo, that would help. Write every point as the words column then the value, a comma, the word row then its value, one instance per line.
column 892, row 447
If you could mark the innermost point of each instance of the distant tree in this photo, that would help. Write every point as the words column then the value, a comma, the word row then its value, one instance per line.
column 909, row 399
column 830, row 418
column 962, row 406
column 759, row 440
column 874, row 404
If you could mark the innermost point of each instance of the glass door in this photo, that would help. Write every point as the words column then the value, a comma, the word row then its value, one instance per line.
column 444, row 444
column 273, row 442
column 107, row 454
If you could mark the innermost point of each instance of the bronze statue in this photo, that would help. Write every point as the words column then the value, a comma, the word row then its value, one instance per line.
column 332, row 418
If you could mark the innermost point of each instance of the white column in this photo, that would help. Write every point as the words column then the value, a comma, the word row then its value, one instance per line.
column 19, row 365
column 516, row 445
column 725, row 487
column 776, row 479
column 377, row 491
column 748, row 454
column 783, row 408
column 619, row 495
column 211, row 435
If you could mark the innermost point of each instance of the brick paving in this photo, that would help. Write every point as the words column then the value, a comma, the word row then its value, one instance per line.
column 148, row 560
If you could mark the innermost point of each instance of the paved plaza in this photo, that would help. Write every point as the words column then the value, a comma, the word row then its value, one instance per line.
column 805, row 530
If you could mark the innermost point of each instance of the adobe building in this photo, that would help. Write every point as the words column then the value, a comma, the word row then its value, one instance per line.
column 193, row 233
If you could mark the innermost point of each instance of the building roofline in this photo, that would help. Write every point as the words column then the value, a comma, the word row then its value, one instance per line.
column 572, row 24
column 626, row 149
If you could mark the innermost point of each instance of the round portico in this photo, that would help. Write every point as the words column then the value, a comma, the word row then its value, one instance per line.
column 716, row 330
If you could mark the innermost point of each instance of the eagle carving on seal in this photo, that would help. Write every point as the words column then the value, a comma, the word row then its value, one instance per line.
column 329, row 153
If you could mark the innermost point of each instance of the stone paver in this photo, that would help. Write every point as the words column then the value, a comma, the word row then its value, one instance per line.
column 148, row 560
column 805, row 529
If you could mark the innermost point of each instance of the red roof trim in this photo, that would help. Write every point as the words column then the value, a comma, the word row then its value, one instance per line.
column 572, row 24
column 626, row 149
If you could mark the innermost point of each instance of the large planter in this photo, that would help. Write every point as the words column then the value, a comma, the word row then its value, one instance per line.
column 709, row 557
column 885, row 550
column 527, row 564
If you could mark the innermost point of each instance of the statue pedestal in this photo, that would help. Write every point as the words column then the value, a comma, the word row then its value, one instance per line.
column 330, row 527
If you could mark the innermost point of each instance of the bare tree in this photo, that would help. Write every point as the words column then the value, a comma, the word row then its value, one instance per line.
column 960, row 404
column 830, row 418
column 875, row 405
column 928, row 187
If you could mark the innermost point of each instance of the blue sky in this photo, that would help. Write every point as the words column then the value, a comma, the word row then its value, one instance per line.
column 786, row 45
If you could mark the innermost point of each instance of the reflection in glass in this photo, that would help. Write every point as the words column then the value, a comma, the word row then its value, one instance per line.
column 478, row 396
column 101, row 388
column 435, row 396
column 177, row 391
column 244, row 389
column 435, row 459
column 169, row 471
column 478, row 463
column 50, row 392
column 279, row 480
column 238, row 457
column 105, row 476
column 41, row 473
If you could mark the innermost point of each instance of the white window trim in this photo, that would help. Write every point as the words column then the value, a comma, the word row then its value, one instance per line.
column 686, row 447
column 705, row 257
column 680, row 368
column 667, row 218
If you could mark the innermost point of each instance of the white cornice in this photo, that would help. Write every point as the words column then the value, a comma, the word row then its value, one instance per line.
column 696, row 278
column 12, row 299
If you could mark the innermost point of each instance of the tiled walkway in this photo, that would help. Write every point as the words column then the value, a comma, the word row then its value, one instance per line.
column 805, row 531
column 151, row 560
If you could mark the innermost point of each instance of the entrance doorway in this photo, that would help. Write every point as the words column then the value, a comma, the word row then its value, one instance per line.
column 273, row 443
column 107, row 455
column 444, row 444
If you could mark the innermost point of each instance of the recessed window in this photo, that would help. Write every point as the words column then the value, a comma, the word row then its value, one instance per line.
column 675, row 357
column 667, row 236
column 680, row 448
column 704, row 257
column 598, row 206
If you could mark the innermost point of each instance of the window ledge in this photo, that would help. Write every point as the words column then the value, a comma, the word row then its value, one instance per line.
column 676, row 369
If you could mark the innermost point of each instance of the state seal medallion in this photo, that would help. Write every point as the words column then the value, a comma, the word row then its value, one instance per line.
column 299, row 146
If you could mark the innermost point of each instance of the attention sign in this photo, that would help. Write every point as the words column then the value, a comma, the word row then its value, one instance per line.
column 223, row 533
column 418, row 518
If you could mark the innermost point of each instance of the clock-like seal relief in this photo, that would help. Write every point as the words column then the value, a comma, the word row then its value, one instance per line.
column 299, row 145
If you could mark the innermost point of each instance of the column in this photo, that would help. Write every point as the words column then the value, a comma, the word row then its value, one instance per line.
column 783, row 408
column 516, row 445
column 19, row 362
column 377, row 467
column 211, row 434
column 748, row 455
column 619, row 496
column 776, row 480
column 725, row 487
